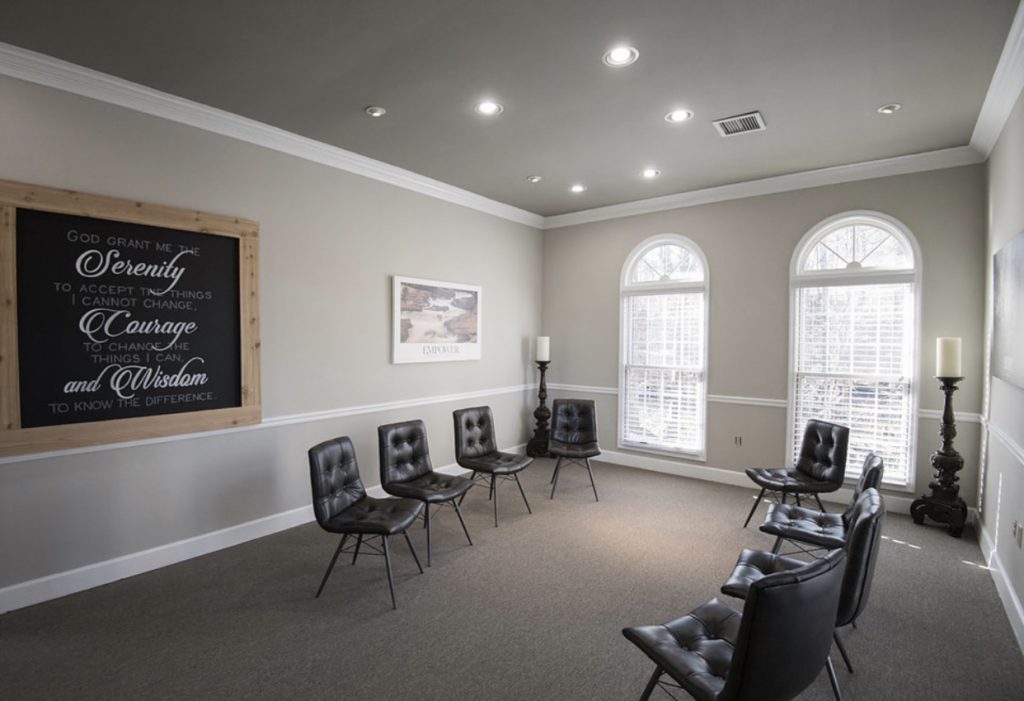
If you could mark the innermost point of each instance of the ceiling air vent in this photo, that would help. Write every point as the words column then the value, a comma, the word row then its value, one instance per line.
column 740, row 124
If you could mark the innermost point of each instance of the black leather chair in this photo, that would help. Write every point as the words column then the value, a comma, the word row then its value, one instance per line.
column 819, row 468
column 771, row 651
column 862, row 546
column 405, row 471
column 341, row 506
column 783, row 519
column 820, row 529
column 573, row 437
column 476, row 449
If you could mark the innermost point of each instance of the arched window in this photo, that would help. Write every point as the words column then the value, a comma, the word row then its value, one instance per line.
column 855, row 280
column 663, row 352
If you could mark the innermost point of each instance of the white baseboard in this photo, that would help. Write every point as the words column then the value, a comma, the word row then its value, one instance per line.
column 1011, row 603
column 54, row 586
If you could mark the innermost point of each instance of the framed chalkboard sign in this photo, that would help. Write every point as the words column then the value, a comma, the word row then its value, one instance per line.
column 122, row 320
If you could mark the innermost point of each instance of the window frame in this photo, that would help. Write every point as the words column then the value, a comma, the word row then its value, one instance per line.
column 799, row 279
column 627, row 290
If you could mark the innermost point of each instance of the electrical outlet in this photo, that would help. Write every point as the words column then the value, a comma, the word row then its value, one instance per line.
column 1020, row 535
column 738, row 440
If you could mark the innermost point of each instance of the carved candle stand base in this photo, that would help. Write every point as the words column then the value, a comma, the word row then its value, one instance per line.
column 944, row 503
column 538, row 445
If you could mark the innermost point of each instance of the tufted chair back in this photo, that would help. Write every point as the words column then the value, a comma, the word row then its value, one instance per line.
column 870, row 477
column 404, row 454
column 786, row 631
column 862, row 539
column 574, row 421
column 474, row 432
column 334, row 475
column 823, row 452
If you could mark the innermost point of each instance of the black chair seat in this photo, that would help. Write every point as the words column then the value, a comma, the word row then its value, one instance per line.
column 788, row 480
column 573, row 450
column 754, row 565
column 696, row 650
column 432, row 487
column 816, row 527
column 376, row 516
column 496, row 463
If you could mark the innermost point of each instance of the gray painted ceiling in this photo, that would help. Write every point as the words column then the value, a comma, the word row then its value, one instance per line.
column 817, row 70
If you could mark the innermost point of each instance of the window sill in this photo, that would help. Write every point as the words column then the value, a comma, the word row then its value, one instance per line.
column 664, row 452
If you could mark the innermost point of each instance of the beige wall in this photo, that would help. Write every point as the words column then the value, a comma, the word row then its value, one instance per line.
column 1003, row 493
column 329, row 243
column 749, row 244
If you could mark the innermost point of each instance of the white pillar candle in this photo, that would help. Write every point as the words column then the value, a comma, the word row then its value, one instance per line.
column 947, row 357
column 544, row 348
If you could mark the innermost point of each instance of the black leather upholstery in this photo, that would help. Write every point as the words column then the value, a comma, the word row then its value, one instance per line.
column 820, row 465
column 828, row 523
column 862, row 545
column 573, row 437
column 770, row 652
column 341, row 505
column 405, row 468
column 573, row 429
column 405, row 471
column 339, row 498
column 476, row 447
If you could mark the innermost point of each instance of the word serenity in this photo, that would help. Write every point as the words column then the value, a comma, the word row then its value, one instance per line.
column 94, row 263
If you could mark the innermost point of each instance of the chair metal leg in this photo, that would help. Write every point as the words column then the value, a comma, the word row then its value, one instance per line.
column 426, row 524
column 359, row 542
column 591, row 473
column 331, row 566
column 652, row 683
column 472, row 478
column 821, row 507
column 832, row 678
column 797, row 496
column 490, row 488
column 757, row 502
column 554, row 477
column 458, row 512
column 387, row 566
column 494, row 491
column 842, row 650
column 412, row 550
column 778, row 546
column 519, row 484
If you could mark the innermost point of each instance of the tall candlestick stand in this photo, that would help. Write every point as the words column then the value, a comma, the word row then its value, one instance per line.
column 538, row 445
column 944, row 503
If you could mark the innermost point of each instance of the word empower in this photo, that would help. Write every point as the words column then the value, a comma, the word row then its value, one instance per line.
column 126, row 380
column 102, row 324
column 93, row 263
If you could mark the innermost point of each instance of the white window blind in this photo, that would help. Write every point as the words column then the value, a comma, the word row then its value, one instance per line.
column 663, row 394
column 854, row 343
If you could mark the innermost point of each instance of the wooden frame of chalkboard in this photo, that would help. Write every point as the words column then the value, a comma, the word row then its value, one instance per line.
column 126, row 360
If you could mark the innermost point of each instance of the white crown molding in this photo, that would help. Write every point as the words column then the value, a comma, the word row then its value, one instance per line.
column 276, row 421
column 899, row 165
column 54, row 73
column 1003, row 91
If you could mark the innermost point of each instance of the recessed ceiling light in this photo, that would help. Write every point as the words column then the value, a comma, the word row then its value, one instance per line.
column 620, row 56
column 376, row 111
column 489, row 108
column 650, row 173
column 890, row 108
column 677, row 116
column 577, row 188
column 534, row 178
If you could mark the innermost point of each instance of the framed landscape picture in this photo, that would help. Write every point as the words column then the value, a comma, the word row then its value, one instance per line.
column 434, row 321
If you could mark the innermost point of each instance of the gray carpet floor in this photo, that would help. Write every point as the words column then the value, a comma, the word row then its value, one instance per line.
column 533, row 611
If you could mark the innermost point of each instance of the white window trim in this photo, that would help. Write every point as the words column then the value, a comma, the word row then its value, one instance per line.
column 627, row 290
column 819, row 279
